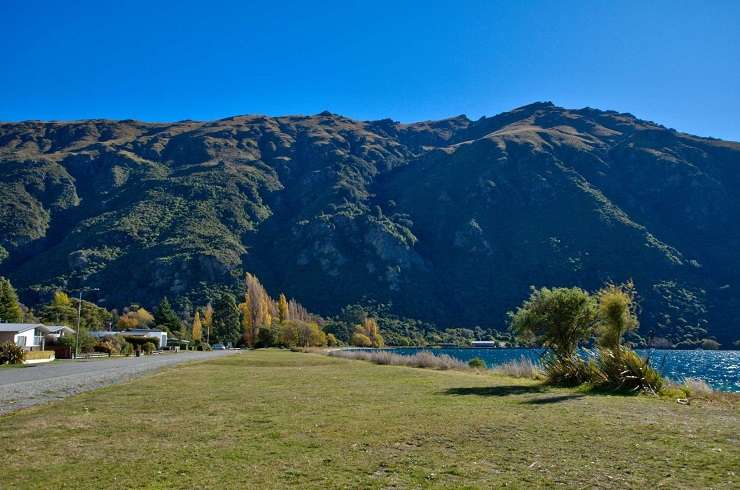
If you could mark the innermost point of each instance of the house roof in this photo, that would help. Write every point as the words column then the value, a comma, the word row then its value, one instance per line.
column 59, row 328
column 22, row 327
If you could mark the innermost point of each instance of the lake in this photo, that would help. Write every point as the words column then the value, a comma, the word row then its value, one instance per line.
column 720, row 369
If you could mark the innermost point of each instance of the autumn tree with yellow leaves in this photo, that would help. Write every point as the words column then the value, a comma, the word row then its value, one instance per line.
column 197, row 333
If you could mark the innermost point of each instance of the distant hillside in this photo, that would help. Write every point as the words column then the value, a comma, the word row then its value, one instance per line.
column 450, row 221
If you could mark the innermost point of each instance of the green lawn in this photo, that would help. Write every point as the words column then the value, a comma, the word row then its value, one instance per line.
column 269, row 419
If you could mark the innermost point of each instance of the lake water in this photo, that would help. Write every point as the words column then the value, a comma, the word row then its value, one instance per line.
column 720, row 369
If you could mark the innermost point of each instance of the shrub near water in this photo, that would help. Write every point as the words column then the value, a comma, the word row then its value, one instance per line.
column 477, row 363
column 519, row 368
column 562, row 317
column 424, row 359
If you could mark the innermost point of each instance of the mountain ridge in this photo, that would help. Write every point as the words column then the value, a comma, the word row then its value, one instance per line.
column 449, row 220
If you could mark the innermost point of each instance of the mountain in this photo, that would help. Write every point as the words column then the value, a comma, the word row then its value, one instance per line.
column 451, row 221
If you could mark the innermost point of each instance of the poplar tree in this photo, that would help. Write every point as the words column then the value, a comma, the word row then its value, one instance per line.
column 282, row 308
column 208, row 321
column 248, row 332
column 197, row 328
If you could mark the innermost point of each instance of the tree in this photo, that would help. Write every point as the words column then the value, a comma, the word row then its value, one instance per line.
column 282, row 308
column 208, row 321
column 226, row 325
column 247, row 322
column 559, row 317
column 197, row 333
column 135, row 317
column 616, row 313
column 60, row 310
column 360, row 340
column 10, row 308
column 165, row 316
column 368, row 330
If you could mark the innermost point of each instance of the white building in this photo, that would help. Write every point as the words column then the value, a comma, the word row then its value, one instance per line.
column 29, row 336
column 159, row 336
column 56, row 331
column 487, row 344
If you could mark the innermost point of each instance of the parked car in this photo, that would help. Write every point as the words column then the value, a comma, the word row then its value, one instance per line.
column 219, row 347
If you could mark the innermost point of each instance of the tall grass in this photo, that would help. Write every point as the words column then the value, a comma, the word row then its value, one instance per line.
column 519, row 368
column 424, row 359
column 697, row 388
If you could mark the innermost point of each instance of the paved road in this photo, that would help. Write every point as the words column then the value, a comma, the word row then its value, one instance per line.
column 39, row 383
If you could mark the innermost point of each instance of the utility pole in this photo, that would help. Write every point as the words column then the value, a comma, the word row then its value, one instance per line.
column 79, row 316
column 77, row 332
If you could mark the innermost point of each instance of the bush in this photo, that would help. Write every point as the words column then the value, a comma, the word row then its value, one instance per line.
column 477, row 363
column 266, row 338
column 622, row 369
column 567, row 371
column 11, row 353
column 519, row 368
column 105, row 346
column 424, row 359
column 360, row 340
column 126, row 349
column 697, row 388
column 559, row 317
column 149, row 347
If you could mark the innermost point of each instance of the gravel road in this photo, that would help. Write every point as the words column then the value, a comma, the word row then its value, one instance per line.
column 39, row 383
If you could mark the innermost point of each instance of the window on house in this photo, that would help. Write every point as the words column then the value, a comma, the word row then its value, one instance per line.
column 21, row 341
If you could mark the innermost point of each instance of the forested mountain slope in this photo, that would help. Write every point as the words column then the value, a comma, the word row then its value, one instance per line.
column 450, row 221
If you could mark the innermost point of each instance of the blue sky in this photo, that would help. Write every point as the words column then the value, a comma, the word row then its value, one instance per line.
column 673, row 62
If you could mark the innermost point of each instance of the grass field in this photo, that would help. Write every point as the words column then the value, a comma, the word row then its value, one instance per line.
column 268, row 419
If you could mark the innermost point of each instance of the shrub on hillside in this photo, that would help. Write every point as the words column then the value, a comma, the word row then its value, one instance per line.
column 11, row 353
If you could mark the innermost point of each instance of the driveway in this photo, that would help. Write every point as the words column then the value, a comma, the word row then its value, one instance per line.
column 38, row 383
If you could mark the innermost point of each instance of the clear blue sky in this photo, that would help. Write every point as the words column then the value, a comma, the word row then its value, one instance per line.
column 673, row 62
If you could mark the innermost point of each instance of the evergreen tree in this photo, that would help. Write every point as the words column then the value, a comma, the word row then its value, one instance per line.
column 226, row 325
column 197, row 328
column 10, row 308
column 165, row 316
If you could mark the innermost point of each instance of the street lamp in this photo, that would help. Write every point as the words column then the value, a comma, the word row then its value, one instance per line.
column 79, row 315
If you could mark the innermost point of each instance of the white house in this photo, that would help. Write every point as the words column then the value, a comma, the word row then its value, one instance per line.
column 56, row 331
column 30, row 336
column 485, row 344
column 158, row 336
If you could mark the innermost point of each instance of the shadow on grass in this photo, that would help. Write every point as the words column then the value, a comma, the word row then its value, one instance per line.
column 554, row 399
column 504, row 390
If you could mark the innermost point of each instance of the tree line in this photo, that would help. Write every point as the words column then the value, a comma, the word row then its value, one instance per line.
column 258, row 320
